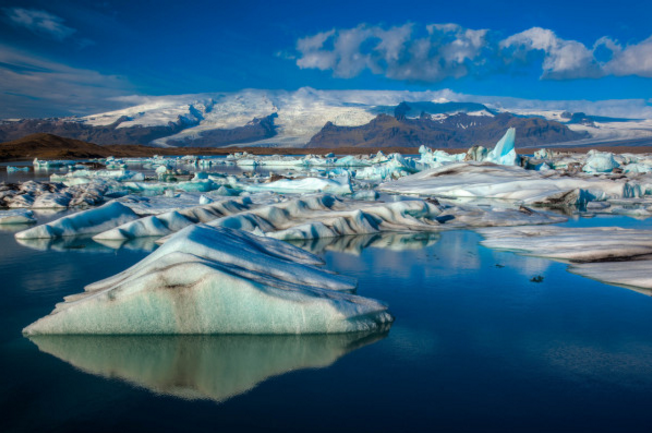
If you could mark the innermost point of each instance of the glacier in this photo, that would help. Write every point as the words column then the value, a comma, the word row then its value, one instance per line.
column 208, row 280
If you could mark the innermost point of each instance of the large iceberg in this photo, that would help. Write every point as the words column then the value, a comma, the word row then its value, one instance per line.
column 218, row 281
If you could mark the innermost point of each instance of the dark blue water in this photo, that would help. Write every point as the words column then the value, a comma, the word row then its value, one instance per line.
column 475, row 347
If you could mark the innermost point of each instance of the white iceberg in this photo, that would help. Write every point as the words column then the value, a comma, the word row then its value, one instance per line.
column 218, row 281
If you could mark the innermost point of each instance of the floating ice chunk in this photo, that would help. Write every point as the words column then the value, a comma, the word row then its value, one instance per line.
column 12, row 169
column 39, row 163
column 638, row 168
column 16, row 216
column 598, row 162
column 571, row 244
column 217, row 281
column 84, row 176
column 341, row 185
column 86, row 222
column 634, row 275
column 230, row 364
column 504, row 153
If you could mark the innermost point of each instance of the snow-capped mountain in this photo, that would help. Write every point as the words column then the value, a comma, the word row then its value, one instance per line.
column 294, row 118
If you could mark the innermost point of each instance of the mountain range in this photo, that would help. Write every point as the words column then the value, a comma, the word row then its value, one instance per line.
column 315, row 118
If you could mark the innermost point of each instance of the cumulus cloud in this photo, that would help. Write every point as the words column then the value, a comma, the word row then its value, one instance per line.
column 399, row 53
column 33, row 86
column 563, row 59
column 440, row 51
column 632, row 60
column 39, row 22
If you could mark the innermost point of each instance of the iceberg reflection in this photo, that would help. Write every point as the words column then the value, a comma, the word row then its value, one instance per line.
column 201, row 367
column 356, row 243
column 88, row 245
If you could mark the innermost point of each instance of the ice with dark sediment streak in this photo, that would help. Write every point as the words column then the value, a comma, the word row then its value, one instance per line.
column 218, row 281
column 610, row 254
column 326, row 216
column 208, row 367
column 472, row 179
column 87, row 222
column 171, row 222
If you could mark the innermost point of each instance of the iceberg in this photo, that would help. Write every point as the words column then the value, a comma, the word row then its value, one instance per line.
column 504, row 153
column 472, row 179
column 578, row 245
column 170, row 222
column 90, row 221
column 16, row 216
column 327, row 216
column 633, row 275
column 610, row 254
column 341, row 185
column 599, row 162
column 218, row 281
column 12, row 169
column 208, row 367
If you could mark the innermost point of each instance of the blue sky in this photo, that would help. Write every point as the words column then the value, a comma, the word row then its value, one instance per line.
column 76, row 57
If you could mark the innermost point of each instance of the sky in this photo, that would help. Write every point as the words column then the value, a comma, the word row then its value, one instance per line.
column 83, row 57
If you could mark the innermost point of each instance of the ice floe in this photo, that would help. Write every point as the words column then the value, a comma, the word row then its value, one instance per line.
column 218, row 281
column 610, row 254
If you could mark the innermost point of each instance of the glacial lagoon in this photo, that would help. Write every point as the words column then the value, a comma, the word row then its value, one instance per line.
column 483, row 339
column 476, row 346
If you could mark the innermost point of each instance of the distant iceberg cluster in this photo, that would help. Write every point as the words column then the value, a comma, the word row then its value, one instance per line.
column 220, row 229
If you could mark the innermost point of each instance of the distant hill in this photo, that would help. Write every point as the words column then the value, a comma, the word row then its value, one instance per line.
column 457, row 131
column 50, row 146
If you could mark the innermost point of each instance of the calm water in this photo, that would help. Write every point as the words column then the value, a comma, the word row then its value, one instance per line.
column 475, row 347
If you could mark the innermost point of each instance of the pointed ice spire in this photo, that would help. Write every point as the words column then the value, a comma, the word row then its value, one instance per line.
column 504, row 152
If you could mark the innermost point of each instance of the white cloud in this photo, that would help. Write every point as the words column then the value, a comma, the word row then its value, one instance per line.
column 564, row 59
column 452, row 51
column 32, row 86
column 632, row 60
column 446, row 50
column 39, row 22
